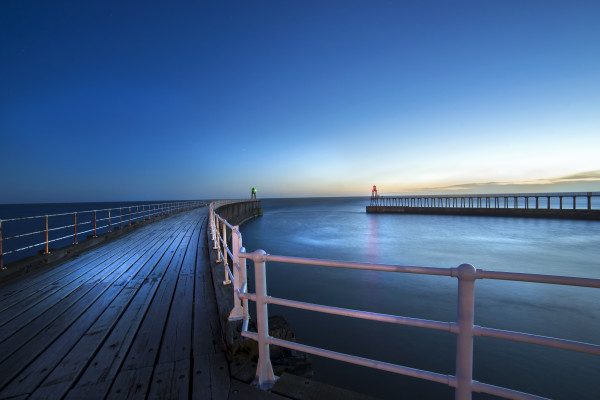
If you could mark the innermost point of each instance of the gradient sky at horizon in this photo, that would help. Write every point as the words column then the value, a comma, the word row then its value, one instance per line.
column 132, row 100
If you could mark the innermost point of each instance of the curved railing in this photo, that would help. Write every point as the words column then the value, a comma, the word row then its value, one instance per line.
column 54, row 228
column 464, row 327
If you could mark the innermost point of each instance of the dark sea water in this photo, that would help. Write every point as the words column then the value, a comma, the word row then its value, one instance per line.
column 339, row 228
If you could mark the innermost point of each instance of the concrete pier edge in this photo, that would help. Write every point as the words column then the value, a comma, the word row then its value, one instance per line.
column 490, row 212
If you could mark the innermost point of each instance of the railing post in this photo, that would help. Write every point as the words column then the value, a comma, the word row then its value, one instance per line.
column 589, row 201
column 227, row 281
column 211, row 214
column 464, row 340
column 218, row 244
column 95, row 224
column 120, row 217
column 236, row 246
column 214, row 232
column 46, row 251
column 74, row 228
column 1, row 262
column 109, row 220
column 243, row 279
column 265, row 379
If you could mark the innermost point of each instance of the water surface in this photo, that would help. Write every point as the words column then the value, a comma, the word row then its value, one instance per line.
column 339, row 228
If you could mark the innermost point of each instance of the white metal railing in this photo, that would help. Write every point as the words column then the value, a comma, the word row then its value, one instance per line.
column 464, row 328
column 504, row 200
column 97, row 220
column 218, row 228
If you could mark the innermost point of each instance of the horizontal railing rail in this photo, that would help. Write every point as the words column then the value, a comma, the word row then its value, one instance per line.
column 498, row 200
column 96, row 221
column 218, row 228
column 464, row 327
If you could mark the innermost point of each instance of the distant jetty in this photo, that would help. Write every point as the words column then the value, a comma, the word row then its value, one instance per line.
column 564, row 205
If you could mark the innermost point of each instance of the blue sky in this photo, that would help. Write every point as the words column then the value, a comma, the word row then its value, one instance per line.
column 122, row 100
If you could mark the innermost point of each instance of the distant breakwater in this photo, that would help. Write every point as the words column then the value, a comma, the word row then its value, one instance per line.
column 489, row 212
column 572, row 205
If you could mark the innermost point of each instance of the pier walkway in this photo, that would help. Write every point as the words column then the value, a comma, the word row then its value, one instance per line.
column 135, row 318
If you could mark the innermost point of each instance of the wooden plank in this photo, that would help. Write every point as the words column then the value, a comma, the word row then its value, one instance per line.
column 76, row 360
column 172, row 375
column 83, row 315
column 33, row 281
column 207, row 328
column 130, row 334
column 242, row 391
column 210, row 377
column 144, row 350
column 211, row 371
column 146, row 346
column 131, row 384
column 20, row 335
column 91, row 392
column 178, row 331
column 171, row 380
column 28, row 314
column 28, row 285
column 107, row 362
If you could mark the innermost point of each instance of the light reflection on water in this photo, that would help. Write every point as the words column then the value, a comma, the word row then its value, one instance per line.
column 340, row 229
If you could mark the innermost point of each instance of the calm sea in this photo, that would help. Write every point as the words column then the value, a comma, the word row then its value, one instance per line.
column 339, row 228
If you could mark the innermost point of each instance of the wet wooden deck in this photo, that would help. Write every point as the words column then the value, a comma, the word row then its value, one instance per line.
column 135, row 318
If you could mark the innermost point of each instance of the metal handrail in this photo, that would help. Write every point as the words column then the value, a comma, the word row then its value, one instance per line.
column 548, row 194
column 153, row 210
column 464, row 327
column 479, row 200
column 237, row 277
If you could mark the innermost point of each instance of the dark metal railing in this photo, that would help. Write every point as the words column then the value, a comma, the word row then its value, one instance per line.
column 110, row 218
column 503, row 200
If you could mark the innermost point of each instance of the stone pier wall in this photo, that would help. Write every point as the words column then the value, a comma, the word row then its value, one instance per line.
column 490, row 212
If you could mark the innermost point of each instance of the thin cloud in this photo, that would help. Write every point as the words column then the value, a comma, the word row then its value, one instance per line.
column 580, row 181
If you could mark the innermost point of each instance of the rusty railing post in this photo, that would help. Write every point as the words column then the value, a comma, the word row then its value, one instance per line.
column 46, row 251
column 95, row 224
column 74, row 228
column 1, row 262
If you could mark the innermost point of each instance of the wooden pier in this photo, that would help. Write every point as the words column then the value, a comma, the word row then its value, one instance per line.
column 571, row 205
column 135, row 318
